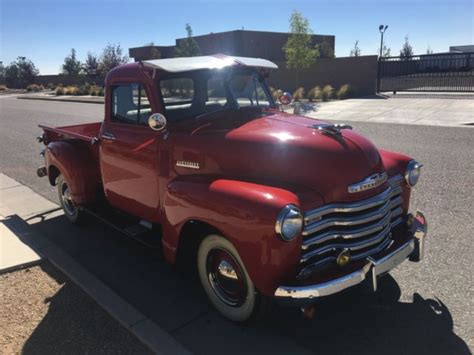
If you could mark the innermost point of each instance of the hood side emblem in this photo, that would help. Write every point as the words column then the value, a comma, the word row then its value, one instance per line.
column 187, row 164
column 368, row 183
column 332, row 129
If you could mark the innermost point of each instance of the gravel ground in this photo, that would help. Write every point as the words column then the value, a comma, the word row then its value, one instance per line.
column 42, row 312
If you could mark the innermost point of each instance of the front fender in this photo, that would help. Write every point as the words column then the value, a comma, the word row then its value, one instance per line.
column 78, row 166
column 245, row 213
column 395, row 164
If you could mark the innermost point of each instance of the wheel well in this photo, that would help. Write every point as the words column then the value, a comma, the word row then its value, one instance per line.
column 192, row 233
column 53, row 174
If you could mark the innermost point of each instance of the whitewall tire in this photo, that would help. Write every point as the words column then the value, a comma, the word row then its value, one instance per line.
column 225, row 279
column 71, row 210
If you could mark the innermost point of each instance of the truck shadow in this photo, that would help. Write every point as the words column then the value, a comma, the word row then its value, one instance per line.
column 351, row 322
column 75, row 324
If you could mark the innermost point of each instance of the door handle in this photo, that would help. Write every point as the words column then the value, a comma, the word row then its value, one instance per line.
column 108, row 136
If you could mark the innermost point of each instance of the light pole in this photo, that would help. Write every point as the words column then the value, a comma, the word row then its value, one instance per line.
column 382, row 30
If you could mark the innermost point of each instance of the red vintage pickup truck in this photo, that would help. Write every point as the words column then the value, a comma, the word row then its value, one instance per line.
column 195, row 156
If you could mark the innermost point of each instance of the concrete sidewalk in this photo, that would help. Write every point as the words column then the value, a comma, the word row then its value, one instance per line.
column 417, row 109
column 25, row 246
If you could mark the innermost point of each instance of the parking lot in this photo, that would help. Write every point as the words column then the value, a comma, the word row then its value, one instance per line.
column 421, row 308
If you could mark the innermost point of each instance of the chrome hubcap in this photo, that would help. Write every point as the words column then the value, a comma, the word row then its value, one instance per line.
column 68, row 203
column 226, row 277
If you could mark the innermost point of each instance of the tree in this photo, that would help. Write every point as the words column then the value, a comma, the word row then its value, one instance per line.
column 112, row 56
column 20, row 73
column 299, row 52
column 187, row 47
column 325, row 50
column 407, row 50
column 91, row 65
column 355, row 52
column 386, row 51
column 429, row 50
column 72, row 66
column 2, row 74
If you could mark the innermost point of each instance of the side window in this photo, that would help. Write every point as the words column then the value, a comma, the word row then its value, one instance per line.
column 178, row 97
column 130, row 104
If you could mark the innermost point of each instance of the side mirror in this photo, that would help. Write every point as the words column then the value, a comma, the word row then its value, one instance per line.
column 285, row 98
column 157, row 122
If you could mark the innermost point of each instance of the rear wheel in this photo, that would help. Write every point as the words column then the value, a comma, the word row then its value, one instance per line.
column 225, row 280
column 71, row 210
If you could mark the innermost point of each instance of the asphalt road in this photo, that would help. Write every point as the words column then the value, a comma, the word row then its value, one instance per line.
column 422, row 308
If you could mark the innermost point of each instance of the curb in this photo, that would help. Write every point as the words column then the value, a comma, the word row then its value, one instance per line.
column 78, row 100
column 158, row 340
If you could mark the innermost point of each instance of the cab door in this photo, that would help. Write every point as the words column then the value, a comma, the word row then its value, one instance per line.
column 129, row 152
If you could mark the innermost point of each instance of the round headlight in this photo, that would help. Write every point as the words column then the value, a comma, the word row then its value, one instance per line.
column 289, row 222
column 412, row 172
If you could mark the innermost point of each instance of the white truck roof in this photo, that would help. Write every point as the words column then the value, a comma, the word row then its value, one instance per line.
column 217, row 61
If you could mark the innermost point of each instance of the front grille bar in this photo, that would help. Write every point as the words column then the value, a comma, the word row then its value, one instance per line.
column 317, row 213
column 308, row 269
column 364, row 227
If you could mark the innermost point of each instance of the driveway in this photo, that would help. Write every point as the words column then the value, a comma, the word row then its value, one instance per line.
column 454, row 110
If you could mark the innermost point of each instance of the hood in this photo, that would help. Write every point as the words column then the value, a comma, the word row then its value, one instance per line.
column 278, row 148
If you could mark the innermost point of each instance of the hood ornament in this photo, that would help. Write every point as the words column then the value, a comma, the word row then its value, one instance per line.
column 368, row 183
column 332, row 129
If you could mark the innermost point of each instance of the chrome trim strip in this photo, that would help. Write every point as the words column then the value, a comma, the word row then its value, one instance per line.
column 357, row 206
column 380, row 266
column 187, row 164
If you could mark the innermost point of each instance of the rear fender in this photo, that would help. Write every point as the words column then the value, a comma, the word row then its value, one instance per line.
column 245, row 213
column 74, row 160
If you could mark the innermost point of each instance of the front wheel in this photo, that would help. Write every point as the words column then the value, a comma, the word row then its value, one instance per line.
column 225, row 280
column 71, row 210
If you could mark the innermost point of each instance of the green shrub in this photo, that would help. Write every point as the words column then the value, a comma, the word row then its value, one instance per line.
column 59, row 91
column 51, row 86
column 327, row 93
column 82, row 90
column 100, row 92
column 299, row 94
column 34, row 88
column 314, row 94
column 345, row 91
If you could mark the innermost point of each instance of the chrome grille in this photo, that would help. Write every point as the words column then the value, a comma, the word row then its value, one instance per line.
column 363, row 227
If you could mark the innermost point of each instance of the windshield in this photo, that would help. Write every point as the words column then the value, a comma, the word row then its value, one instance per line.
column 197, row 93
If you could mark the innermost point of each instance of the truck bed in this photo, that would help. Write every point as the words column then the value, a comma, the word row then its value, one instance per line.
column 84, row 132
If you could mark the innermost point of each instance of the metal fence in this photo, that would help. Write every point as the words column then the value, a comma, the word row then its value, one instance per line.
column 446, row 72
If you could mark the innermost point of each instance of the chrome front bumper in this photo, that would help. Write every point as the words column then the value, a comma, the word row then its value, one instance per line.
column 413, row 249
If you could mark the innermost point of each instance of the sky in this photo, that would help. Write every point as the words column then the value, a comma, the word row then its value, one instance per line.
column 46, row 30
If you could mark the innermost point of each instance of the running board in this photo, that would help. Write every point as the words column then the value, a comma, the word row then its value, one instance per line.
column 142, row 231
